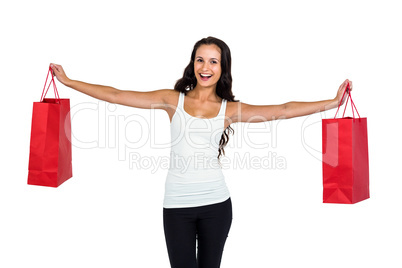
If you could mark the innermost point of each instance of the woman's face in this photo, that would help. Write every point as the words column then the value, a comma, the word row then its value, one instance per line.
column 207, row 65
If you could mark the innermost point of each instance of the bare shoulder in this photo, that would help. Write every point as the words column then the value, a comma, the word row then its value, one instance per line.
column 170, row 99
column 169, row 93
column 170, row 96
column 233, row 108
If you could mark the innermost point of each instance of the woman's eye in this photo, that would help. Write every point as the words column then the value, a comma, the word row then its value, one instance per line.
column 214, row 62
column 199, row 60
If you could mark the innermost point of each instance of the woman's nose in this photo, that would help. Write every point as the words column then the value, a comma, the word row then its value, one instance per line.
column 205, row 66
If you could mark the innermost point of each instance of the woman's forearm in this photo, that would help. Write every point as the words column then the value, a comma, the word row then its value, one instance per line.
column 295, row 109
column 100, row 92
column 104, row 93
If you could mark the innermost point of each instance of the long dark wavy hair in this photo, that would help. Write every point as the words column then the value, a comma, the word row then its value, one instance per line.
column 223, row 87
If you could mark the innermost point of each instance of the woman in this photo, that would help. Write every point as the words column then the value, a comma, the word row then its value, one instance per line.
column 197, row 205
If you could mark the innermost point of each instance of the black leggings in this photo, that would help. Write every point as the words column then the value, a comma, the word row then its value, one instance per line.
column 208, row 224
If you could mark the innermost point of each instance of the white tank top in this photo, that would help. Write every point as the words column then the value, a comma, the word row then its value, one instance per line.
column 195, row 177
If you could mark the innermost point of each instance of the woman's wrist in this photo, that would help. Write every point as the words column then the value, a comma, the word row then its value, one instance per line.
column 67, row 82
column 334, row 103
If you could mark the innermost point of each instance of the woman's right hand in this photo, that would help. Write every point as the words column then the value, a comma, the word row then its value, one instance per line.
column 58, row 71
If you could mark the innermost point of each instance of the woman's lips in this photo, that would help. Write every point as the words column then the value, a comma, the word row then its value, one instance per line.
column 205, row 77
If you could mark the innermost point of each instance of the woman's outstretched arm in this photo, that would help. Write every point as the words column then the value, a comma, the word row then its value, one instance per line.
column 157, row 99
column 242, row 112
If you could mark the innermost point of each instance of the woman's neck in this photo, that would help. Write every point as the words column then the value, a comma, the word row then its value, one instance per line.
column 204, row 93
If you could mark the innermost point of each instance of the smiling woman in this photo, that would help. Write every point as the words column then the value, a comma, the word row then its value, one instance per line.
column 207, row 64
column 209, row 73
column 197, row 204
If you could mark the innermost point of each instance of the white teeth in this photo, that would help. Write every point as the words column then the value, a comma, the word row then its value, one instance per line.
column 205, row 75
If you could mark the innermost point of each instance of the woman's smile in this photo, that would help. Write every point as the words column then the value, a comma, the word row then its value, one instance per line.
column 205, row 77
column 207, row 65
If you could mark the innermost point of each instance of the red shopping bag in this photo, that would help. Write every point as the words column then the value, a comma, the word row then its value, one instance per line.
column 50, row 162
column 345, row 157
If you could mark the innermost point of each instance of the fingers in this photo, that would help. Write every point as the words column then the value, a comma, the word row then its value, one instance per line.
column 58, row 72
column 348, row 82
column 345, row 85
column 341, row 95
column 55, row 67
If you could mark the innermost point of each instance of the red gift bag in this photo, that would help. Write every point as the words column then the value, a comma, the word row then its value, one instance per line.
column 345, row 157
column 50, row 162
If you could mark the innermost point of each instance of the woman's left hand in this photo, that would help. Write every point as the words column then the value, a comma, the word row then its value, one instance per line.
column 341, row 90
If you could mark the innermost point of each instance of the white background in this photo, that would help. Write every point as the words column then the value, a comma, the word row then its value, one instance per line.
column 110, row 214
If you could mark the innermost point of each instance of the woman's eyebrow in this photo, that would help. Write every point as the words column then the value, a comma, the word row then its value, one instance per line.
column 199, row 57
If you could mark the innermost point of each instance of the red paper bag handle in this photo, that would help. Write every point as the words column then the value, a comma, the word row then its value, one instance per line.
column 56, row 93
column 347, row 100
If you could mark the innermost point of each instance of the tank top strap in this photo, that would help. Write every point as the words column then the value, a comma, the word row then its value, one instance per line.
column 222, row 111
column 180, row 104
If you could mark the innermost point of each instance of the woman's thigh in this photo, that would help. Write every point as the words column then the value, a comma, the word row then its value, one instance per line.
column 180, row 235
column 213, row 227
